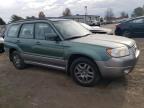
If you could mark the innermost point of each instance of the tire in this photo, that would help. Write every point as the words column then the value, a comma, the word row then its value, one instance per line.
column 84, row 72
column 17, row 61
column 126, row 34
column 1, row 50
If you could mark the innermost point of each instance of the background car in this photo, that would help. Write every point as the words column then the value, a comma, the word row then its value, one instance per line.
column 97, row 29
column 94, row 23
column 133, row 28
column 2, row 31
column 1, row 44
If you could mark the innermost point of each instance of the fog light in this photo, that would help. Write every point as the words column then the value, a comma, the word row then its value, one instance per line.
column 126, row 71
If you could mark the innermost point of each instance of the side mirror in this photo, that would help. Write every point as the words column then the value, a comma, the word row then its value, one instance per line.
column 52, row 37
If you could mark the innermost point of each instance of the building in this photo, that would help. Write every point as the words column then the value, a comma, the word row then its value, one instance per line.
column 81, row 18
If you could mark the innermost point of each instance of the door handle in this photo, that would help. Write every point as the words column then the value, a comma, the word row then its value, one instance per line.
column 18, row 41
column 38, row 43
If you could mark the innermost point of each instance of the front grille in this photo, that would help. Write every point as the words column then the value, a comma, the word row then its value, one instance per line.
column 134, row 49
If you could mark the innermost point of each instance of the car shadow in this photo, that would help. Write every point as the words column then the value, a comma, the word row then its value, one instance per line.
column 108, row 93
column 102, row 84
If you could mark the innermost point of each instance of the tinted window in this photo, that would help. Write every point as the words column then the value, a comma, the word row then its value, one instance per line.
column 27, row 31
column 138, row 21
column 13, row 31
column 44, row 31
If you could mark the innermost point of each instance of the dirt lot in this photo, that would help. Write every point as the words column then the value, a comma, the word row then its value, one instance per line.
column 39, row 87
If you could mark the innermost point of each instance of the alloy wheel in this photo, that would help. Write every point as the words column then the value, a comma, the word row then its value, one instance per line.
column 84, row 73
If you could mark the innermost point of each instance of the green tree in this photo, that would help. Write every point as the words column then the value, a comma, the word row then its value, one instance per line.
column 16, row 18
column 67, row 12
column 138, row 12
column 2, row 22
column 41, row 15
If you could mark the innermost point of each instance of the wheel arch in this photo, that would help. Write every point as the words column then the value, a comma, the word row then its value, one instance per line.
column 73, row 57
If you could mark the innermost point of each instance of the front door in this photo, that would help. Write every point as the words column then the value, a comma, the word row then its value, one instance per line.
column 47, row 49
column 138, row 27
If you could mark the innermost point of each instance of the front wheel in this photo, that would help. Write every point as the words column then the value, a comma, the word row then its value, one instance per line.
column 85, row 72
column 17, row 60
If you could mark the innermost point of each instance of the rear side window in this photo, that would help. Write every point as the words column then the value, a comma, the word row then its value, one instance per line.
column 138, row 21
column 44, row 31
column 27, row 31
column 13, row 31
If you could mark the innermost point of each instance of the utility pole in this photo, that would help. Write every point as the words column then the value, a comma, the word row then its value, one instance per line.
column 85, row 12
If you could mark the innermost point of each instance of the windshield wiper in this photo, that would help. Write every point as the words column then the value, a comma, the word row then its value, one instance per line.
column 78, row 36
column 73, row 37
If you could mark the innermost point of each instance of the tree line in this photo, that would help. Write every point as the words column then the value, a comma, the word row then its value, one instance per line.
column 109, row 15
column 17, row 18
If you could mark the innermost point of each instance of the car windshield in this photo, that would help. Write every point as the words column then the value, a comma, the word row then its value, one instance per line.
column 71, row 29
column 86, row 26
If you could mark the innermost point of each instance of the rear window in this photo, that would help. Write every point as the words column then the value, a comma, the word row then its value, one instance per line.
column 13, row 31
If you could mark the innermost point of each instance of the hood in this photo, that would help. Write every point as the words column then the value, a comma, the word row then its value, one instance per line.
column 1, row 40
column 105, row 40
column 101, row 29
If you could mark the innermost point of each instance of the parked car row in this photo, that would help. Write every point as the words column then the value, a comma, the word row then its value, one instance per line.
column 67, row 45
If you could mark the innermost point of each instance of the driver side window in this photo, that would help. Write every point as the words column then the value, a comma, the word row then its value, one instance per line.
column 44, row 31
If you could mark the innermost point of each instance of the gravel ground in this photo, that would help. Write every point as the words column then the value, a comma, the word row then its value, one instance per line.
column 39, row 87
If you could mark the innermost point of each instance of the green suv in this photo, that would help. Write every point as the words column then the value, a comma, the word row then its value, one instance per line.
column 66, row 45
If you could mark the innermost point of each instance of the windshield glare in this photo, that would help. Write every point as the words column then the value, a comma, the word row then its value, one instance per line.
column 71, row 29
column 86, row 26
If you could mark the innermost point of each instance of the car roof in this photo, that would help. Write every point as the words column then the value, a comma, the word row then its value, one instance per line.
column 59, row 19
column 134, row 18
column 139, row 17
column 37, row 19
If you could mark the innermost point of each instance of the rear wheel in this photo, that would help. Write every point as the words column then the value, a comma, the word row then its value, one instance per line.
column 1, row 49
column 17, row 60
column 84, row 72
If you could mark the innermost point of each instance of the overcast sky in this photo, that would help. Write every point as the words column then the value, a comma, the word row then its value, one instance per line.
column 55, row 7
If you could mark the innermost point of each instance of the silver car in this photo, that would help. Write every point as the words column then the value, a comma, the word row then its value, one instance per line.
column 1, row 45
column 97, row 29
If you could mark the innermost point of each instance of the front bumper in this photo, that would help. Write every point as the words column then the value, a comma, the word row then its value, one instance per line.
column 116, row 67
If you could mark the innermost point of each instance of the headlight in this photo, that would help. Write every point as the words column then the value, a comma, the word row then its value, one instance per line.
column 118, row 52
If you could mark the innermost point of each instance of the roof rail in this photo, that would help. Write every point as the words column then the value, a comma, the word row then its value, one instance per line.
column 28, row 20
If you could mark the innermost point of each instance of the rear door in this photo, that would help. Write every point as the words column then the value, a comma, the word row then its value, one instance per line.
column 138, row 27
column 47, row 48
column 12, row 36
column 26, row 40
